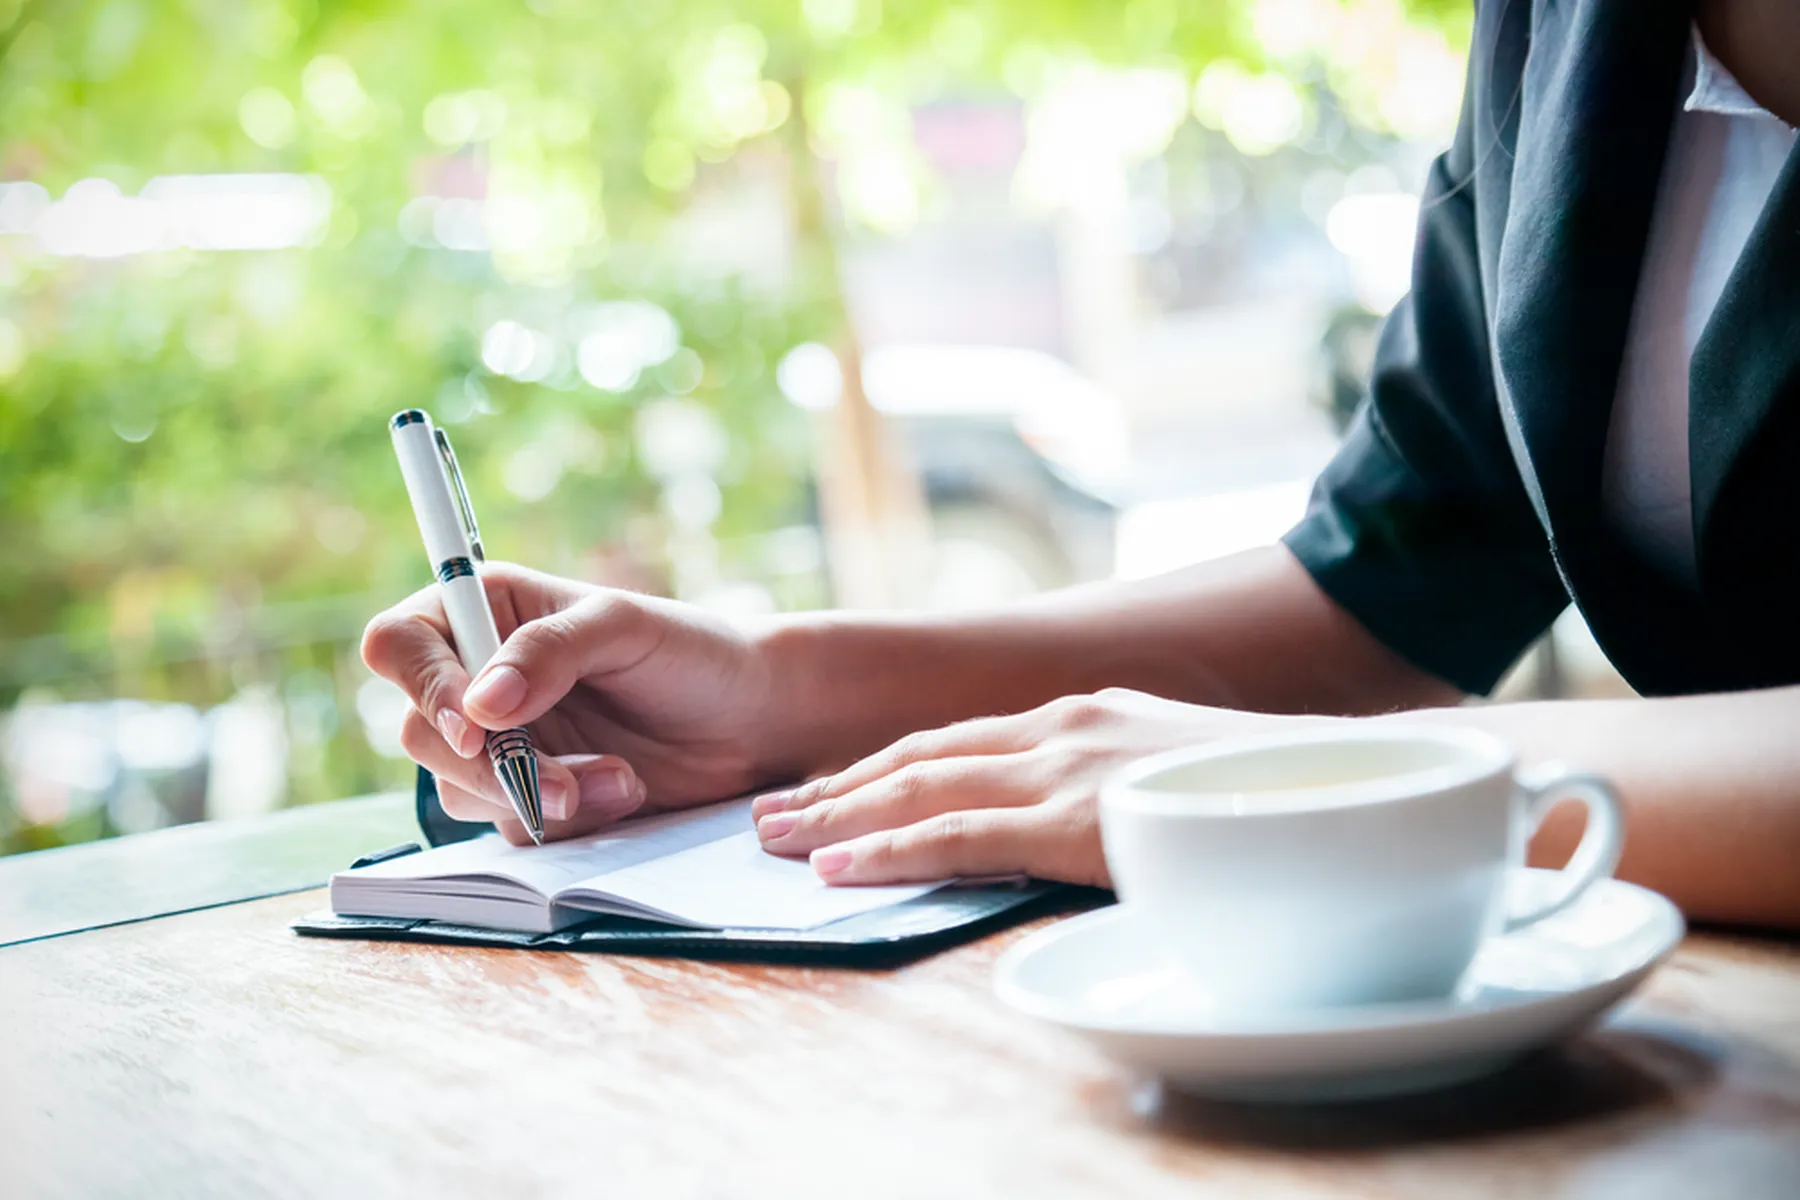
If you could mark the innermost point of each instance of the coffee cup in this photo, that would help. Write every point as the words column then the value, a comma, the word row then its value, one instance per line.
column 1359, row 865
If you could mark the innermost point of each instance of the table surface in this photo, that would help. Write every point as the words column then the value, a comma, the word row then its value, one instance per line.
column 215, row 1053
column 186, row 867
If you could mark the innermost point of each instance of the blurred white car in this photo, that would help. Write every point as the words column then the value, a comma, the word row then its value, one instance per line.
column 1022, row 459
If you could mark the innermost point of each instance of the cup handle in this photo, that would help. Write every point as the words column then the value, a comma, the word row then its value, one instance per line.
column 1601, row 842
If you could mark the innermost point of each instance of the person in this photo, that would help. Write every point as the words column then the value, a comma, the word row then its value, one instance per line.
column 1591, row 396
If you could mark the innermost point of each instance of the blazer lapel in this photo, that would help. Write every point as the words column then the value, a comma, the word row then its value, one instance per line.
column 1744, row 405
column 1600, row 90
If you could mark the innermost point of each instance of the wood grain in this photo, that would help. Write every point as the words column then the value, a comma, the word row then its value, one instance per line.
column 217, row 1054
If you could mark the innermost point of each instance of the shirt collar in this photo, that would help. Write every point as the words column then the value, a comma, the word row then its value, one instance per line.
column 1716, row 91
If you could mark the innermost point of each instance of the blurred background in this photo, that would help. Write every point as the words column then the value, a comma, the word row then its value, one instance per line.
column 765, row 305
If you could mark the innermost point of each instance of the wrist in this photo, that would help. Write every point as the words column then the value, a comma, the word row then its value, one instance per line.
column 842, row 687
column 794, row 725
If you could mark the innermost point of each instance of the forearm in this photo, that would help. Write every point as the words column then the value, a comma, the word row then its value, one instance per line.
column 1711, row 785
column 1252, row 632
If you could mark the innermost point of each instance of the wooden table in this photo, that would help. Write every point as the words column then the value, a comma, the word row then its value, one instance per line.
column 217, row 1054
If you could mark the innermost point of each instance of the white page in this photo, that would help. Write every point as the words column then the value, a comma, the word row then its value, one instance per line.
column 735, row 883
column 700, row 866
column 549, row 868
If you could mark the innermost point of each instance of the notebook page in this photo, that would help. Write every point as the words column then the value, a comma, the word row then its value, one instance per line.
column 553, row 866
column 734, row 883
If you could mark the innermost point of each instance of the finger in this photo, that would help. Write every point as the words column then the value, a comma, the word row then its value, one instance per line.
column 514, row 832
column 988, row 735
column 987, row 841
column 425, row 745
column 409, row 645
column 606, row 788
column 540, row 662
column 557, row 785
column 412, row 645
column 904, row 797
column 463, row 805
column 583, row 823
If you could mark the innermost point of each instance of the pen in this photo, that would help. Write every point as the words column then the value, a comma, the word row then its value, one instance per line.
column 440, row 501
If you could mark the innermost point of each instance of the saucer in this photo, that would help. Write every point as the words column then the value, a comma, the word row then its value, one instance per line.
column 1100, row 976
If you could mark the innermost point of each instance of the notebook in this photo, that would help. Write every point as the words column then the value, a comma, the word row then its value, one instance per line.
column 700, row 868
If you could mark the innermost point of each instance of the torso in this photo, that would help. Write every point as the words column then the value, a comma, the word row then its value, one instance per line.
column 1571, row 108
column 1725, row 153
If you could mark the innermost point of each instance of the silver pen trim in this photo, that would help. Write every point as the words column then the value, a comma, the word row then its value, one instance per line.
column 460, row 490
column 516, row 767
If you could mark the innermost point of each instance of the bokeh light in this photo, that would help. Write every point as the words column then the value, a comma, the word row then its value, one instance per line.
column 625, row 253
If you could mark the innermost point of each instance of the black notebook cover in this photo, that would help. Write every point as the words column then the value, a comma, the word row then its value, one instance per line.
column 901, row 931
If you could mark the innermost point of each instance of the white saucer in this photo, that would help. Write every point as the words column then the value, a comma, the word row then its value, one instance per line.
column 1098, row 976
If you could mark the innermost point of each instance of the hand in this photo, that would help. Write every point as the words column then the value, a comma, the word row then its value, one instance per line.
column 632, row 702
column 998, row 796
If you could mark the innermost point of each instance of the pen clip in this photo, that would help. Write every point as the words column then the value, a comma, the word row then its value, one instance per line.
column 463, row 507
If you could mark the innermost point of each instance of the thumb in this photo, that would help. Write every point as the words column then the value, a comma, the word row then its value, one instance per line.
column 541, row 661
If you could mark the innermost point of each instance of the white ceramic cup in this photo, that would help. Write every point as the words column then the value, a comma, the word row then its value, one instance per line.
column 1335, row 867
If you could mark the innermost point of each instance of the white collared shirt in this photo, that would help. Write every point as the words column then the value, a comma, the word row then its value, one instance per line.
column 1725, row 152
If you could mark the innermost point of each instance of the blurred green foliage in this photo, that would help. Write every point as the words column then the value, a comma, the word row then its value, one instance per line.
column 196, row 491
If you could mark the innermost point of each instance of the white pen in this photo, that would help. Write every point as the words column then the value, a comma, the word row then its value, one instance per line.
column 453, row 544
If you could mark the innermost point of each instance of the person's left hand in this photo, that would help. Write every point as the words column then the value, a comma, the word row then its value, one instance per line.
column 1013, row 795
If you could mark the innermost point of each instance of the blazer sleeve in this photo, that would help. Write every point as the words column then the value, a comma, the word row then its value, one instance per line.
column 1421, row 527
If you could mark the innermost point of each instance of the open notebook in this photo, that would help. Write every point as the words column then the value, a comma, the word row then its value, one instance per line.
column 702, row 868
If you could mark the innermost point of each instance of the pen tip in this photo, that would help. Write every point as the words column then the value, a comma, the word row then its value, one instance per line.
column 516, row 767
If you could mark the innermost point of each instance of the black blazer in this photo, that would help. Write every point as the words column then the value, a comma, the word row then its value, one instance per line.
column 1463, row 511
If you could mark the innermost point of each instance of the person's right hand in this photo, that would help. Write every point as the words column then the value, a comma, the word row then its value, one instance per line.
column 632, row 702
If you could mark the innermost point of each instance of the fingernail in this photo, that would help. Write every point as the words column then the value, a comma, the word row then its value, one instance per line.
column 455, row 731
column 776, row 825
column 555, row 795
column 499, row 691
column 608, row 789
column 831, row 860
column 771, row 802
